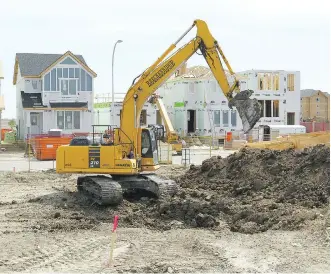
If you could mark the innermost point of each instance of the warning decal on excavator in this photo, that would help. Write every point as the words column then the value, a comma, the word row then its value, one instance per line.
column 94, row 157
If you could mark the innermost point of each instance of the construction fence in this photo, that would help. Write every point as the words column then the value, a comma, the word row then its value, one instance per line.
column 40, row 150
column 316, row 126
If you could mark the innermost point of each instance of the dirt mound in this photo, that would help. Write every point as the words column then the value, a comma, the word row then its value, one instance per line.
column 248, row 192
column 253, row 190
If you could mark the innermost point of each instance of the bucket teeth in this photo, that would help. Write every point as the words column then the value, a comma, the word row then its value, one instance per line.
column 249, row 109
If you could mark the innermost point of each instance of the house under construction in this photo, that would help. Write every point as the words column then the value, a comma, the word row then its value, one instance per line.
column 196, row 104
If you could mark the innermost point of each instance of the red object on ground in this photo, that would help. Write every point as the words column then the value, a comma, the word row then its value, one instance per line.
column 45, row 147
column 3, row 132
column 115, row 223
column 229, row 136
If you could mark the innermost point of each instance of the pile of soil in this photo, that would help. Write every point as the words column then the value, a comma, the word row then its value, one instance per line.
column 253, row 190
column 249, row 191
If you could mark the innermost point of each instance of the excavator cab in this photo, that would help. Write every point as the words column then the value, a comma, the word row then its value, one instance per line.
column 149, row 152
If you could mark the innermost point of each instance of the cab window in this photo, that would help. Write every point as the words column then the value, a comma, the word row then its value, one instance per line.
column 145, row 143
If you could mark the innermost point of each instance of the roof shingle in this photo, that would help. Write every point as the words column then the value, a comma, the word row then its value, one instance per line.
column 311, row 92
column 32, row 64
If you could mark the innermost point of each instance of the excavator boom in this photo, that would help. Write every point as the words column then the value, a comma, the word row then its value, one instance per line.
column 249, row 109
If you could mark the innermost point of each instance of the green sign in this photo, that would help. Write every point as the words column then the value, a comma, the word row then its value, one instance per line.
column 102, row 105
column 179, row 104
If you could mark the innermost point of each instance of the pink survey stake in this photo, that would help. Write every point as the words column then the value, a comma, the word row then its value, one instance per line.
column 115, row 223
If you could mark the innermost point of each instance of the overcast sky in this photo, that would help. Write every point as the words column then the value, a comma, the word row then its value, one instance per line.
column 254, row 34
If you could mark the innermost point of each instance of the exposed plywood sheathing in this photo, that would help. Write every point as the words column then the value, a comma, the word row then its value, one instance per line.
column 200, row 72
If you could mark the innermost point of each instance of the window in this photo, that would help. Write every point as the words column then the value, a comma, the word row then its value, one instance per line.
column 191, row 88
column 275, row 110
column 290, row 82
column 268, row 108
column 71, row 73
column 145, row 143
column 53, row 80
column 317, row 99
column 77, row 76
column 268, row 81
column 88, row 82
column 143, row 117
column 225, row 118
column 82, row 75
column 68, row 119
column 68, row 80
column 213, row 86
column 68, row 86
column 47, row 82
column 217, row 118
column 234, row 118
column 65, row 73
column 59, row 75
column 34, row 84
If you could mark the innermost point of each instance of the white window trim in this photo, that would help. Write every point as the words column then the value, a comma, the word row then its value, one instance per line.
column 72, row 119
column 60, row 83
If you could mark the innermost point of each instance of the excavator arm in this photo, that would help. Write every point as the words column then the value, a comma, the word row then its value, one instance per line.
column 150, row 80
column 171, row 135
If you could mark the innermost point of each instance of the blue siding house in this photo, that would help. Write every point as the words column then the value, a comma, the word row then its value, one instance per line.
column 53, row 91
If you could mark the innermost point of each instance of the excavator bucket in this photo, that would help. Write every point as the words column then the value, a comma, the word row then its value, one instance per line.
column 249, row 109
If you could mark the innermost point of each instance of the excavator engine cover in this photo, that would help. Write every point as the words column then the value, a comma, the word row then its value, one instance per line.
column 249, row 109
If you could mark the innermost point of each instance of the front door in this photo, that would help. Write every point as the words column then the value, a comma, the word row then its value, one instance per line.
column 35, row 122
column 290, row 118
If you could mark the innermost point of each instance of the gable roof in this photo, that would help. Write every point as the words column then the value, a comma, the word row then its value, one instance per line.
column 35, row 64
column 312, row 92
column 308, row 92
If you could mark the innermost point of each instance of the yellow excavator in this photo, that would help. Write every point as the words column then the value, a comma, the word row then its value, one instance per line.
column 170, row 136
column 131, row 155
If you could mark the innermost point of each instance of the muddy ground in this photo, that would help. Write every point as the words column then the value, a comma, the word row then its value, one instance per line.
column 255, row 211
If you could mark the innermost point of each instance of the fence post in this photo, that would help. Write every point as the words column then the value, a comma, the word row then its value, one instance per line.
column 29, row 148
column 168, row 150
column 210, row 144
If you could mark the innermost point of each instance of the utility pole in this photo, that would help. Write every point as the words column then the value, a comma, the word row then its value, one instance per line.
column 2, row 103
column 112, row 90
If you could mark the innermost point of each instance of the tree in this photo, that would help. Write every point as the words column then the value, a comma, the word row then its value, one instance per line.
column 12, row 124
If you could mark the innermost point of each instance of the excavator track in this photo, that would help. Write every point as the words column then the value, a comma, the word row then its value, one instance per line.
column 101, row 189
column 109, row 191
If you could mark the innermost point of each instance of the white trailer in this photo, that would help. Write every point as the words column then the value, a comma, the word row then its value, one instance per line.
column 271, row 132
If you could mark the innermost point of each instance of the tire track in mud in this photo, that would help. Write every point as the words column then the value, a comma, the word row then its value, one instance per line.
column 65, row 253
